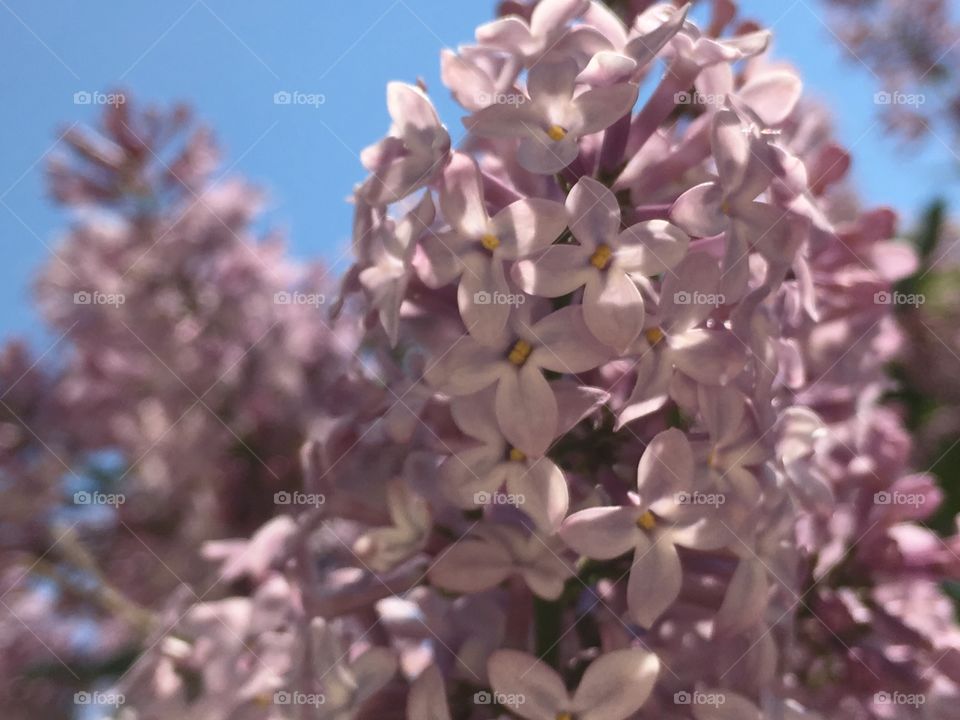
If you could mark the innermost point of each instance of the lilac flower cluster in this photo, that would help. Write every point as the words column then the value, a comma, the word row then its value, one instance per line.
column 598, row 434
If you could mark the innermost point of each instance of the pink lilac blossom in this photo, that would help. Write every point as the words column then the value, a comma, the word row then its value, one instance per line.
column 599, row 432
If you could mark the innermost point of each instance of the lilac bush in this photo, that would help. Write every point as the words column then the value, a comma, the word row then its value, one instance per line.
column 595, row 430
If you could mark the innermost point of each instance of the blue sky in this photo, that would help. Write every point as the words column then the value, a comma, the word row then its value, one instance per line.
column 228, row 57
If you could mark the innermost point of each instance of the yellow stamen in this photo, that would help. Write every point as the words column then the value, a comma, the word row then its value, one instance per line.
column 601, row 257
column 712, row 458
column 262, row 700
column 725, row 207
column 490, row 241
column 520, row 352
column 556, row 133
column 517, row 455
column 654, row 335
column 564, row 715
column 647, row 521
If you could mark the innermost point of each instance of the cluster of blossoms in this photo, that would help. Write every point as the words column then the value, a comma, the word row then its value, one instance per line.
column 188, row 374
column 609, row 443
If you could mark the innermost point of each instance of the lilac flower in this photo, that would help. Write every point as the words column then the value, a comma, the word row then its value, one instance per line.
column 614, row 686
column 491, row 554
column 473, row 476
column 648, row 528
column 385, row 278
column 413, row 152
column 603, row 263
column 554, row 118
column 478, row 245
column 526, row 406
column 530, row 40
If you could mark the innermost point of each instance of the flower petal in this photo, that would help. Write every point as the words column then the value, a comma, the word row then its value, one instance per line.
column 655, row 579
column 527, row 410
column 471, row 565
column 537, row 690
column 461, row 197
column 558, row 270
column 613, row 308
column 544, row 491
column 529, row 225
column 598, row 109
column 666, row 465
column 565, row 344
column 483, row 287
column 594, row 213
column 698, row 212
column 616, row 685
column 602, row 533
column 651, row 247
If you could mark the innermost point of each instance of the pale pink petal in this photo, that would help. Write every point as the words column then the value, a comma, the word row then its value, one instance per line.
column 549, row 16
column 428, row 698
column 539, row 154
column 650, row 247
column 565, row 344
column 594, row 213
column 471, row 565
column 666, row 464
column 650, row 392
column 439, row 263
column 685, row 299
column 410, row 108
column 529, row 225
column 550, row 83
column 527, row 410
column 712, row 357
column 602, row 533
column 558, row 270
column 745, row 599
column 504, row 120
column 606, row 69
column 616, row 685
column 613, row 308
column 461, row 197
column 506, row 33
column 698, row 212
column 645, row 47
column 744, row 161
column 482, row 297
column 655, row 579
column 598, row 109
column 544, row 491
column 772, row 95
column 539, row 691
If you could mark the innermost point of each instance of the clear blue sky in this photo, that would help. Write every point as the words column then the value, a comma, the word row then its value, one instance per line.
column 228, row 57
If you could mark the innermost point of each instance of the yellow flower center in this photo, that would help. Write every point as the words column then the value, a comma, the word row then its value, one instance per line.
column 647, row 521
column 517, row 455
column 654, row 335
column 725, row 207
column 520, row 352
column 601, row 257
column 564, row 715
column 712, row 458
column 490, row 241
column 556, row 133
